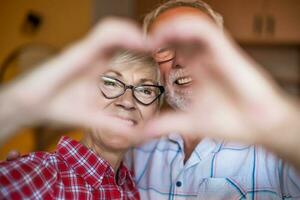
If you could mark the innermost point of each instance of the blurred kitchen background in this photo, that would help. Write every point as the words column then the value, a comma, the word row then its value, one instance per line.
column 32, row 31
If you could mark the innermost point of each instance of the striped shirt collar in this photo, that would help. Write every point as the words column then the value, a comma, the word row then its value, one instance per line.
column 204, row 148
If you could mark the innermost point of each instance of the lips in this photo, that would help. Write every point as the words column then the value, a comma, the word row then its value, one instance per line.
column 187, row 80
column 130, row 122
column 126, row 120
column 180, row 77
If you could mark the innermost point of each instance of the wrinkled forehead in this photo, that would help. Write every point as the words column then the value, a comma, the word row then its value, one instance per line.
column 172, row 13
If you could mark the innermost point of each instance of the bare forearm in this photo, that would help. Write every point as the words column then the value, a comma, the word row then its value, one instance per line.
column 290, row 142
column 12, row 116
column 285, row 140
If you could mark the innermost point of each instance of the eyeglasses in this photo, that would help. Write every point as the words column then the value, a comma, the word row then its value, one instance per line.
column 145, row 94
column 164, row 55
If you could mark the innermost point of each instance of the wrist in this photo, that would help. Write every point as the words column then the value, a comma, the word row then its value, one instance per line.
column 284, row 138
column 13, row 112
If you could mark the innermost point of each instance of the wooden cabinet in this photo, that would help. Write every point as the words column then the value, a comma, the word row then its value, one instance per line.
column 244, row 19
column 251, row 21
column 142, row 7
column 261, row 21
column 282, row 18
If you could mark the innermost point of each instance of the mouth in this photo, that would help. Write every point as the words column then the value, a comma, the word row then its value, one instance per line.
column 128, row 121
column 183, row 81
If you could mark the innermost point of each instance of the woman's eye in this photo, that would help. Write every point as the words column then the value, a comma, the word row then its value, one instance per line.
column 147, row 91
column 110, row 83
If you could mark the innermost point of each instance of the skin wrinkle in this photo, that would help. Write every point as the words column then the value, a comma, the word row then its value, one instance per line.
column 179, row 97
column 110, row 144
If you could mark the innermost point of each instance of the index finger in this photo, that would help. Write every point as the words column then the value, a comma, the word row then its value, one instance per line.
column 227, row 60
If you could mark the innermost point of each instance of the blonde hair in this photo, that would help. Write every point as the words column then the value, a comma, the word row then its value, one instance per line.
column 137, row 61
column 204, row 7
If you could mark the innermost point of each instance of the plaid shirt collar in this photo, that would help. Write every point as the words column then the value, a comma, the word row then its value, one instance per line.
column 88, row 165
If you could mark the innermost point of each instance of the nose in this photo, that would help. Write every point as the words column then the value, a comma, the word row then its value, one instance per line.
column 126, row 101
column 179, row 61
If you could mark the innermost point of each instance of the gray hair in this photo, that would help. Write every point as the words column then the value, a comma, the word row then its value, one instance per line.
column 137, row 61
column 204, row 7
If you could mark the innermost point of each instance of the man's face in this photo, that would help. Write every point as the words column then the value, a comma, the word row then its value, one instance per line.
column 174, row 70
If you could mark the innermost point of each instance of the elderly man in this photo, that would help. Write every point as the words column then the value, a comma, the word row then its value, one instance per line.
column 178, row 167
column 192, row 167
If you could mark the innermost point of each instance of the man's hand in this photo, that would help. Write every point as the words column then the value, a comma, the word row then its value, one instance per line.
column 233, row 97
column 64, row 90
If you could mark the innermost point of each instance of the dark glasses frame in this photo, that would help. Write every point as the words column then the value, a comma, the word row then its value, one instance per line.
column 132, row 87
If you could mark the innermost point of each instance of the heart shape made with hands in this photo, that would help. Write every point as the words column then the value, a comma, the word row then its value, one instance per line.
column 228, row 89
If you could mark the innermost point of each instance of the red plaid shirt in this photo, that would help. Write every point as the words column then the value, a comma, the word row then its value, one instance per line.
column 72, row 172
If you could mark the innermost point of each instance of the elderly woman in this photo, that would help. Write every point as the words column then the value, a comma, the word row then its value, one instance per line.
column 92, row 168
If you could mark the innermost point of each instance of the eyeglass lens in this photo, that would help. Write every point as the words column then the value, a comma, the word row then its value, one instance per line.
column 113, row 88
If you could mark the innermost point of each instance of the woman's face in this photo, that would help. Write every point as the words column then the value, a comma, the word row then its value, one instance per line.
column 125, row 107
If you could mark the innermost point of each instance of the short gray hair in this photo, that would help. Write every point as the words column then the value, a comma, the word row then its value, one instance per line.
column 137, row 60
column 204, row 7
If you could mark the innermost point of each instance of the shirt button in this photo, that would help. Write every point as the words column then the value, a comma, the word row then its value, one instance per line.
column 178, row 183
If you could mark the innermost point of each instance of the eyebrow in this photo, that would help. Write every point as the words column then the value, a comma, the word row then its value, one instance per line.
column 143, row 80
column 115, row 72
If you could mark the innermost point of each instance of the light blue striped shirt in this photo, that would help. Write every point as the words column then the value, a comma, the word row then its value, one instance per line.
column 215, row 170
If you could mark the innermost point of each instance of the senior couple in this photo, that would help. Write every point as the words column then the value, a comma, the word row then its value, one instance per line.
column 117, row 96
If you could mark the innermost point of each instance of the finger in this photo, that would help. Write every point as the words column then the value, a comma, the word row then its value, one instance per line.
column 13, row 155
column 218, row 126
column 82, row 56
column 76, row 61
column 212, row 114
column 89, row 119
column 109, row 35
column 169, row 123
column 114, row 126
column 218, row 114
column 233, row 67
column 101, row 42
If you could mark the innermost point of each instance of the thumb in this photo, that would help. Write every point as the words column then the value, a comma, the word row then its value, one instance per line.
column 168, row 123
column 13, row 155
